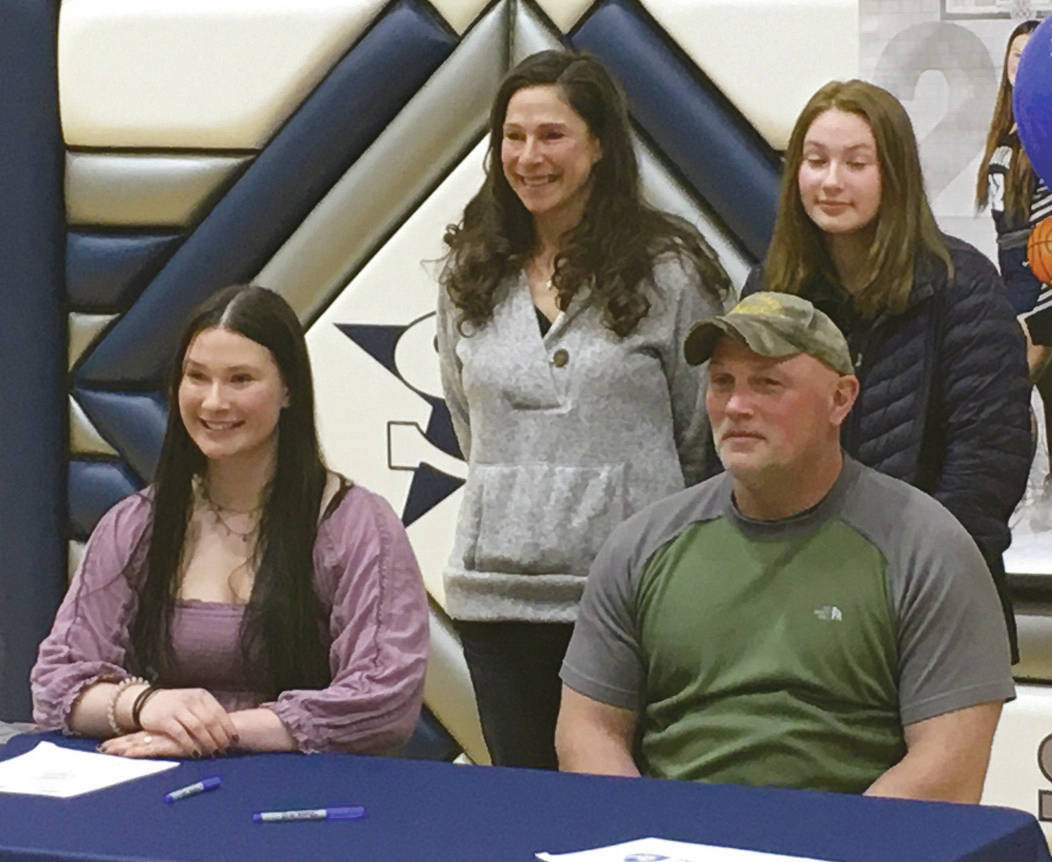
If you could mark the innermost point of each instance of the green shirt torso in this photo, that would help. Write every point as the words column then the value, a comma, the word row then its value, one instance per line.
column 799, row 654
column 789, row 652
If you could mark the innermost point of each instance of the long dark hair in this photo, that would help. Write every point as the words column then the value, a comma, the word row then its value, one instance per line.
column 1020, row 179
column 613, row 248
column 905, row 226
column 281, row 631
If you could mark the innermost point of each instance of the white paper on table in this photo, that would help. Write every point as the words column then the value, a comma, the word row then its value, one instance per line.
column 662, row 850
column 51, row 770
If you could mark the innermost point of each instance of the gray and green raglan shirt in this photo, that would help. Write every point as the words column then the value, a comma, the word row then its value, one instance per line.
column 791, row 652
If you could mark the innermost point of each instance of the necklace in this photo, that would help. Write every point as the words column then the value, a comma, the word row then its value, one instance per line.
column 535, row 273
column 217, row 513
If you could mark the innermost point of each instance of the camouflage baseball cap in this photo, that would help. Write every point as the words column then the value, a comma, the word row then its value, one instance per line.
column 773, row 324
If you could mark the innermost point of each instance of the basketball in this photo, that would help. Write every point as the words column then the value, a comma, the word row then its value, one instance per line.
column 1039, row 251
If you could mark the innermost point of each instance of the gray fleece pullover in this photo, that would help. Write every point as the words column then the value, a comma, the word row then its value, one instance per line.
column 565, row 435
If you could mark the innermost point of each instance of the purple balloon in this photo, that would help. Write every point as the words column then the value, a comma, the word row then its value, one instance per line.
column 1032, row 100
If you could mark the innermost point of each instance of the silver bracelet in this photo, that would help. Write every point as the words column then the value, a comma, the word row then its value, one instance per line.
column 111, row 710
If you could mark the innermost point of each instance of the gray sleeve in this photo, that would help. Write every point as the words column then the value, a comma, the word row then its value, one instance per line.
column 450, row 370
column 953, row 647
column 604, row 660
column 688, row 300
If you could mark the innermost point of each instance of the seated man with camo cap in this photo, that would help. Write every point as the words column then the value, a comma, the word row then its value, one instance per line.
column 800, row 620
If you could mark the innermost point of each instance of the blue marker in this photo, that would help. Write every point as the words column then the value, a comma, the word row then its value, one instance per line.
column 339, row 812
column 193, row 789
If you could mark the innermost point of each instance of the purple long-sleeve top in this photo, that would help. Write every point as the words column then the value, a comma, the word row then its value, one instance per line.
column 369, row 584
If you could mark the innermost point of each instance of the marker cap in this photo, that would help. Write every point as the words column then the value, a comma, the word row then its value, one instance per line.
column 345, row 812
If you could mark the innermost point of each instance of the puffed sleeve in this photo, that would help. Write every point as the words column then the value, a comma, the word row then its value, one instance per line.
column 378, row 623
column 89, row 639
column 689, row 301
column 450, row 370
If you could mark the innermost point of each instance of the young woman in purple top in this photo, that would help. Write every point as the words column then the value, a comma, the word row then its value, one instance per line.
column 249, row 598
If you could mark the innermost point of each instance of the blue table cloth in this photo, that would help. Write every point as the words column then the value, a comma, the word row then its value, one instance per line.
column 422, row 810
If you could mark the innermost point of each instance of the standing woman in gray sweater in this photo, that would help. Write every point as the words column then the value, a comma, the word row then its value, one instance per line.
column 564, row 304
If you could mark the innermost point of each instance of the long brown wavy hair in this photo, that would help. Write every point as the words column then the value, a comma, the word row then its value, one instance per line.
column 905, row 226
column 1020, row 179
column 612, row 249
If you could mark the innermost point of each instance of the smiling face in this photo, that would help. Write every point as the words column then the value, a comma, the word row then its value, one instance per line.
column 231, row 395
column 774, row 416
column 839, row 175
column 548, row 152
column 1015, row 51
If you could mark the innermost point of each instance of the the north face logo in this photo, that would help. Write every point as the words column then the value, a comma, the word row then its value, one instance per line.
column 829, row 613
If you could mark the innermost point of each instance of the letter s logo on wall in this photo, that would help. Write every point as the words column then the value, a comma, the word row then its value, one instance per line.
column 1044, row 762
column 382, row 418
column 426, row 449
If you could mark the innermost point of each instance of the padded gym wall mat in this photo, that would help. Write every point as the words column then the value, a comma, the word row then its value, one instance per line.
column 32, row 345
column 195, row 74
column 94, row 487
column 106, row 271
column 145, row 188
column 327, row 133
column 84, row 438
column 399, row 168
column 136, row 420
column 775, row 41
column 722, row 156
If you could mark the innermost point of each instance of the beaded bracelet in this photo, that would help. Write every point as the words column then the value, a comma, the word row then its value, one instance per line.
column 140, row 702
column 111, row 710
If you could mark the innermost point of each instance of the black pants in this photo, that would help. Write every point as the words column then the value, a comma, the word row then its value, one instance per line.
column 515, row 673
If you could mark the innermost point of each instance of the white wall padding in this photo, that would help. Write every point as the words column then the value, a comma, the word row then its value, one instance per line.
column 564, row 13
column 530, row 34
column 448, row 693
column 767, row 56
column 137, row 189
column 83, row 330
column 75, row 555
column 214, row 74
column 459, row 13
column 365, row 409
column 1014, row 778
column 1035, row 644
column 426, row 139
column 84, row 439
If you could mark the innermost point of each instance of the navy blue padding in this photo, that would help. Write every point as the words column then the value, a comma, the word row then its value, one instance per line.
column 334, row 125
column 430, row 740
column 32, row 343
column 105, row 272
column 94, row 486
column 133, row 422
column 695, row 126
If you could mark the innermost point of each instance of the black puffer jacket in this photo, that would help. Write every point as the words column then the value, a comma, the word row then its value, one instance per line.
column 944, row 401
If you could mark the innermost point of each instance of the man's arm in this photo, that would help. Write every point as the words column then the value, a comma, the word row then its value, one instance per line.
column 946, row 757
column 594, row 737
